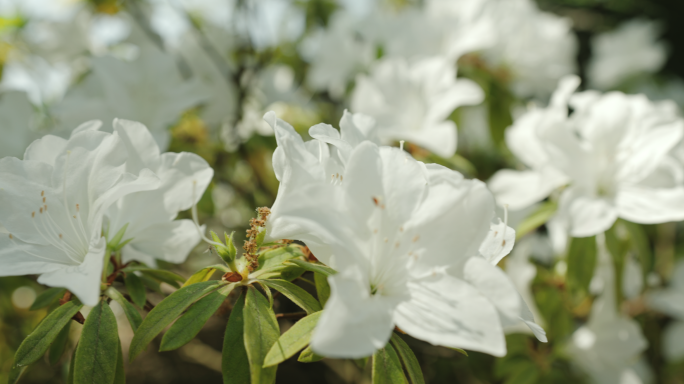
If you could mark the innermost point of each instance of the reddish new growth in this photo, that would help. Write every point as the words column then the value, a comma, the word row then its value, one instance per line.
column 251, row 246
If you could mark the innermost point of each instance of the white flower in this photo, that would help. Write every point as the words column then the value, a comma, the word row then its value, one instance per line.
column 149, row 90
column 149, row 215
column 52, row 206
column 612, row 152
column 16, row 115
column 414, row 245
column 671, row 302
column 608, row 346
column 413, row 101
column 632, row 49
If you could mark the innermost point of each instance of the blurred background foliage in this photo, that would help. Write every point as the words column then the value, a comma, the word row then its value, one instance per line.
column 244, row 180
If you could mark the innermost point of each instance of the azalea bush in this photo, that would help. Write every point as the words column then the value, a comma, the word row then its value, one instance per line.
column 341, row 191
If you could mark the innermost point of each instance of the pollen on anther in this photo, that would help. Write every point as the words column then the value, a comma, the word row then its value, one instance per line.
column 45, row 206
column 11, row 237
column 396, row 245
column 415, row 238
column 60, row 235
column 375, row 200
column 43, row 199
column 386, row 239
column 33, row 214
column 503, row 243
column 401, row 229
column 78, row 207
column 74, row 216
column 42, row 193
column 375, row 230
column 41, row 210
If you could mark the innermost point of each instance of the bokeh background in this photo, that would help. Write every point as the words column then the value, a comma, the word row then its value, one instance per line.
column 201, row 74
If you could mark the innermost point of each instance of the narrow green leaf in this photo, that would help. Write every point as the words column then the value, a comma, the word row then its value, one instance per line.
column 150, row 283
column 234, row 362
column 268, row 292
column 98, row 348
column 272, row 257
column 15, row 373
column 298, row 295
column 536, row 219
column 261, row 332
column 290, row 272
column 408, row 359
column 191, row 323
column 120, row 377
column 46, row 298
column 322, row 288
column 132, row 314
column 308, row 356
column 292, row 341
column 37, row 343
column 204, row 274
column 166, row 312
column 581, row 262
column 57, row 347
column 387, row 367
column 313, row 267
column 461, row 351
column 136, row 289
column 114, row 243
column 158, row 274
column 70, row 376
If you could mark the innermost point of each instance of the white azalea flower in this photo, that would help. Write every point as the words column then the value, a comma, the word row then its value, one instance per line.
column 52, row 206
column 149, row 90
column 414, row 244
column 16, row 115
column 612, row 151
column 149, row 215
column 632, row 49
column 413, row 101
column 671, row 302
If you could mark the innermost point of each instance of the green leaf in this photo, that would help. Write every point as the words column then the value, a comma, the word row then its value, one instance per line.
column 261, row 332
column 57, row 347
column 150, row 283
column 298, row 295
column 387, row 367
column 260, row 238
column 308, row 356
column 158, row 274
column 408, row 359
column 273, row 257
column 136, row 289
column 535, row 220
column 47, row 297
column 115, row 243
column 37, row 343
column 290, row 273
column 191, row 323
column 234, row 362
column 98, row 348
column 313, row 267
column 120, row 376
column 204, row 274
column 322, row 288
column 226, row 253
column 461, row 351
column 292, row 341
column 15, row 373
column 581, row 262
column 640, row 244
column 132, row 314
column 166, row 312
column 70, row 376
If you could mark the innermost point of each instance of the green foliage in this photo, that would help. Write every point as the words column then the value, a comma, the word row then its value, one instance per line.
column 120, row 375
column 136, row 289
column 261, row 332
column 308, row 356
column 313, row 267
column 234, row 362
column 538, row 218
column 166, row 312
column 15, row 373
column 228, row 251
column 98, row 350
column 57, row 347
column 322, row 288
column 158, row 274
column 292, row 341
column 132, row 314
column 408, row 360
column 191, row 323
column 387, row 367
column 38, row 342
column 47, row 298
column 298, row 295
column 581, row 263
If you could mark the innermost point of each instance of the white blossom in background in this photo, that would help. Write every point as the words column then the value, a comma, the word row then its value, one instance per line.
column 336, row 53
column 538, row 48
column 53, row 202
column 631, row 49
column 613, row 153
column 16, row 123
column 670, row 301
column 414, row 245
column 149, row 90
column 412, row 101
column 44, row 82
column 149, row 216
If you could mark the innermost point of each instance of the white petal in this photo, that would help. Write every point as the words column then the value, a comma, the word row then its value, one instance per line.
column 439, row 138
column 493, row 283
column 170, row 241
column 520, row 189
column 498, row 243
column 82, row 280
column 650, row 205
column 143, row 151
column 447, row 311
column 46, row 149
column 588, row 216
column 354, row 324
column 18, row 258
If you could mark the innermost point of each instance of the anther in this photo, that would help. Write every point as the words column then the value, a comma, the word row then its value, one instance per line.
column 401, row 229
column 386, row 239
column 11, row 237
column 45, row 207
column 415, row 238
column 375, row 200
column 78, row 207
column 60, row 235
column 33, row 214
column 42, row 193
column 43, row 199
column 41, row 209
column 396, row 245
column 341, row 177
column 375, row 231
